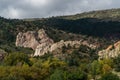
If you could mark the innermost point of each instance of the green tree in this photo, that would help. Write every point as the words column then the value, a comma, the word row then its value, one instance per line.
column 117, row 63
column 57, row 75
column 110, row 76
column 76, row 74
column 95, row 69
column 17, row 59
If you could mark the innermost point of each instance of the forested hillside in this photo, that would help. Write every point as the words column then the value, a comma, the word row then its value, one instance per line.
column 99, row 28
column 97, row 24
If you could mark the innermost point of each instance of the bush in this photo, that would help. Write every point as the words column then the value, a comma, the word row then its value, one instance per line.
column 110, row 76
column 117, row 63
column 17, row 59
column 57, row 75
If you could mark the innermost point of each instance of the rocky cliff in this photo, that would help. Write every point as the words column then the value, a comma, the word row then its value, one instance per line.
column 32, row 39
column 110, row 52
column 41, row 43
column 58, row 46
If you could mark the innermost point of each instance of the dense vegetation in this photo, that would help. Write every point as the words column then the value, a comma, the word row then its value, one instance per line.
column 19, row 66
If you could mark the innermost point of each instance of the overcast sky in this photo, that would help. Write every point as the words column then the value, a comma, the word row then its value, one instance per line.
column 47, row 8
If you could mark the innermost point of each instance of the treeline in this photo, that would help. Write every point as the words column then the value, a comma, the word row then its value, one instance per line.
column 19, row 66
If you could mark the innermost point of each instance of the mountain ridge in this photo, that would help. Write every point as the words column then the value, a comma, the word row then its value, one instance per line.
column 89, row 14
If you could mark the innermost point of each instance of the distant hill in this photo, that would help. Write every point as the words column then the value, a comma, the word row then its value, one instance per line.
column 110, row 14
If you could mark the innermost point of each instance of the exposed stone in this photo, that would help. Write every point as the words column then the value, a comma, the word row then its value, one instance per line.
column 32, row 39
column 42, row 49
column 111, row 52
column 41, row 43
column 56, row 47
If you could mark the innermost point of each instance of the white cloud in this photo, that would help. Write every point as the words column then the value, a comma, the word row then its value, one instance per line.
column 37, row 3
column 46, row 8
column 11, row 13
column 14, row 13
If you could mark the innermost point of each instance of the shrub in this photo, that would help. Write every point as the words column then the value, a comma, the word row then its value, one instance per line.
column 16, row 59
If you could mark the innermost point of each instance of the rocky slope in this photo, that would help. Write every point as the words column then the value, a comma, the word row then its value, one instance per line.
column 41, row 43
column 111, row 52
column 58, row 47
column 32, row 39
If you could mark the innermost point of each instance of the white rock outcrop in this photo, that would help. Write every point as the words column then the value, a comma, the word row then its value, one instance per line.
column 41, row 43
column 44, row 48
column 31, row 39
column 111, row 52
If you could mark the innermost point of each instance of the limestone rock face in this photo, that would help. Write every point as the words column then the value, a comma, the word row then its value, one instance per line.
column 111, row 52
column 42, row 49
column 60, row 44
column 31, row 39
column 41, row 43
column 56, row 47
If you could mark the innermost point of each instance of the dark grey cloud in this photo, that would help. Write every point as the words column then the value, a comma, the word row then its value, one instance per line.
column 47, row 8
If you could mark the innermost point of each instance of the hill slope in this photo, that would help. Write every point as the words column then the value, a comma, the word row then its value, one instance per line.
column 96, row 26
column 110, row 14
